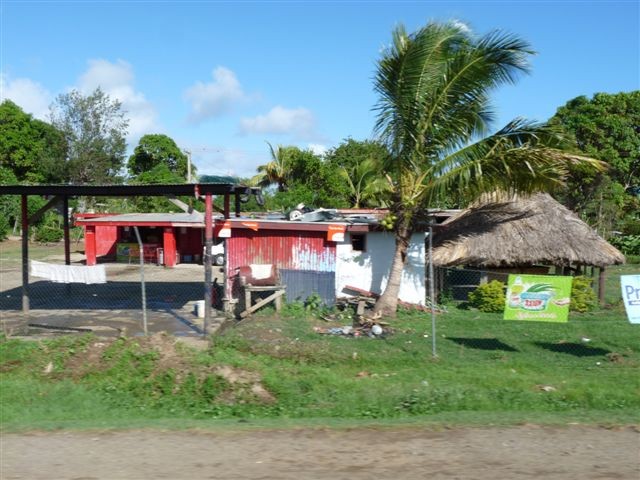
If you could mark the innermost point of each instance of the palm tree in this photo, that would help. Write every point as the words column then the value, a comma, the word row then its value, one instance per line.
column 434, row 114
column 275, row 172
column 366, row 187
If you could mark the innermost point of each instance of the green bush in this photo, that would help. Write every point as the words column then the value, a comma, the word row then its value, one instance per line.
column 488, row 297
column 627, row 244
column 48, row 234
column 583, row 298
column 49, row 231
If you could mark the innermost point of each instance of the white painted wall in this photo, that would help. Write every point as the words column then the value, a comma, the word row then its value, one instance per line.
column 369, row 270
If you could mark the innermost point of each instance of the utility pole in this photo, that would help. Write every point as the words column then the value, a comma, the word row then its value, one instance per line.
column 188, row 152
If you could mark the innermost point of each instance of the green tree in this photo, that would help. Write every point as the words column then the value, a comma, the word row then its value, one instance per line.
column 277, row 171
column 9, row 204
column 94, row 127
column 360, row 163
column 606, row 127
column 300, row 176
column 32, row 149
column 434, row 113
column 156, row 150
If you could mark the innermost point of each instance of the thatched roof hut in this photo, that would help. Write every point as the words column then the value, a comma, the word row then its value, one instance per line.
column 535, row 230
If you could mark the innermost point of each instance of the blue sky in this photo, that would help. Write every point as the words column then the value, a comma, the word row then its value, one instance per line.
column 222, row 78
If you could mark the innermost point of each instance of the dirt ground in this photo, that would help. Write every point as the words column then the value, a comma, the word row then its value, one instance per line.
column 524, row 452
column 107, row 309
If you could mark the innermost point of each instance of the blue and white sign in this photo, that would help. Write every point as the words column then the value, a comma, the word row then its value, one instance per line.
column 631, row 296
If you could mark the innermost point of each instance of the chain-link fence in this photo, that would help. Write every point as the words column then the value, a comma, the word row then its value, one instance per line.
column 456, row 283
column 174, row 299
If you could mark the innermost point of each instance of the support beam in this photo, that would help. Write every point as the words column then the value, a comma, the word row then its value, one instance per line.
column 183, row 206
column 25, row 258
column 208, row 241
column 51, row 203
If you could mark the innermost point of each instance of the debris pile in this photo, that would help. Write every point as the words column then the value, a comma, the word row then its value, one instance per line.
column 362, row 325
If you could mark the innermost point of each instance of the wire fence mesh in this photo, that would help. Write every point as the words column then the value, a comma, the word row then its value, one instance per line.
column 173, row 297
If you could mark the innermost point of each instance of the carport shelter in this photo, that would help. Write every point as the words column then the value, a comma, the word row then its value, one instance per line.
column 62, row 193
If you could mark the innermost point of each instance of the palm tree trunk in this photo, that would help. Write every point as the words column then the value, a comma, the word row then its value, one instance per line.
column 387, row 304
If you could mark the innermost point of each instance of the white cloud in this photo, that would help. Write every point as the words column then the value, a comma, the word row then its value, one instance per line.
column 215, row 98
column 117, row 80
column 32, row 97
column 217, row 160
column 298, row 122
column 461, row 25
column 318, row 149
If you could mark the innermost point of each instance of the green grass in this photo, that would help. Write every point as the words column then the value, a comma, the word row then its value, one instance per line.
column 488, row 371
column 11, row 251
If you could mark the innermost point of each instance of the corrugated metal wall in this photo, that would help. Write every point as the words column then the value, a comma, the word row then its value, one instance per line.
column 302, row 283
column 298, row 255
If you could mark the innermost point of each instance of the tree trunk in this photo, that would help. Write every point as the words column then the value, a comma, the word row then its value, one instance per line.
column 387, row 304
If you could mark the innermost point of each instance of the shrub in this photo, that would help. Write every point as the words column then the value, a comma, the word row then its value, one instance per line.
column 583, row 298
column 488, row 297
column 49, row 230
column 627, row 244
column 48, row 234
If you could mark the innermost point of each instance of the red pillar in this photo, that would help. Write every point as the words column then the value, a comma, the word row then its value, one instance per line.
column 169, row 245
column 90, row 244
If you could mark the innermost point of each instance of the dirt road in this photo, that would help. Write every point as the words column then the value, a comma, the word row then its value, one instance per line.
column 526, row 452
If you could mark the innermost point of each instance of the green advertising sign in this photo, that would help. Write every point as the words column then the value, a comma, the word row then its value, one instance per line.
column 542, row 298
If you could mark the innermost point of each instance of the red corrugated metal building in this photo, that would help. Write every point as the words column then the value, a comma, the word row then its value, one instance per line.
column 304, row 253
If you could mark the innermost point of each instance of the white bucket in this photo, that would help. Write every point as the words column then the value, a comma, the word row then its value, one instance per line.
column 199, row 308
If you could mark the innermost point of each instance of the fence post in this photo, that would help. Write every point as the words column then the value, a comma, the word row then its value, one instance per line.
column 601, row 286
column 431, row 294
column 208, row 242
column 144, row 289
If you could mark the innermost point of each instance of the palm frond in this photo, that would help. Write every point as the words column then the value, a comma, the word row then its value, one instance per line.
column 523, row 157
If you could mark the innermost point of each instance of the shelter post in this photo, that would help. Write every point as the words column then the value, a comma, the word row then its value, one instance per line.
column 227, row 208
column 25, row 256
column 237, row 199
column 208, row 238
column 67, row 241
column 601, row 286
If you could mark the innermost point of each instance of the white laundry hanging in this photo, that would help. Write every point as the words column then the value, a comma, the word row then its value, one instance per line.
column 69, row 273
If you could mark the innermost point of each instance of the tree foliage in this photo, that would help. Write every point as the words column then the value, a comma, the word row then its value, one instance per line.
column 434, row 114
column 32, row 149
column 360, row 164
column 94, row 127
column 157, row 150
column 300, row 176
column 606, row 127
column 276, row 172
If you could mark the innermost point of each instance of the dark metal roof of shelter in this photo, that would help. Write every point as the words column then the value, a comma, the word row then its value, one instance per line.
column 156, row 190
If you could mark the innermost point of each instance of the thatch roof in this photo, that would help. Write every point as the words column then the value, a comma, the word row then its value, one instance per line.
column 535, row 230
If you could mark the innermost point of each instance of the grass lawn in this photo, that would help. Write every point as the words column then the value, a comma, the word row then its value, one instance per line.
column 278, row 371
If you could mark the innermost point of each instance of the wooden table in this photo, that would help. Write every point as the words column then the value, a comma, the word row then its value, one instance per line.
column 276, row 296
